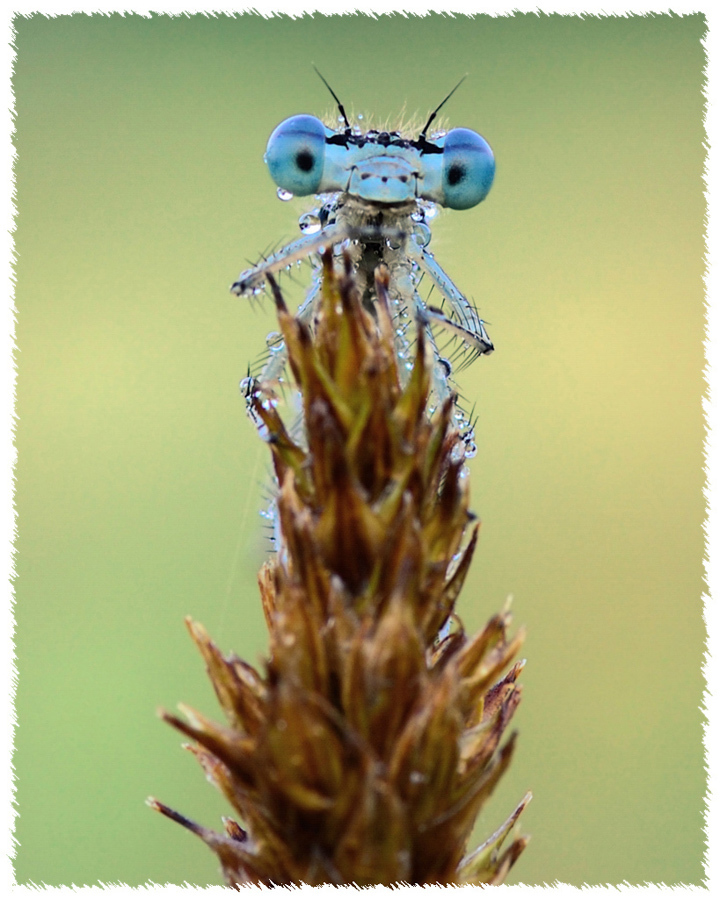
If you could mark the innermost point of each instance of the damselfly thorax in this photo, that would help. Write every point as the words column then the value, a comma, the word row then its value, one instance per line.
column 377, row 192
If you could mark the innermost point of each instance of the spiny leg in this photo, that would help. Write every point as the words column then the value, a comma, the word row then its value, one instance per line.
column 407, row 290
column 253, row 280
column 442, row 383
column 465, row 322
column 272, row 371
column 472, row 346
column 270, row 376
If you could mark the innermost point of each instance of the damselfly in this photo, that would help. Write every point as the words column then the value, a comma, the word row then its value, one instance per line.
column 376, row 193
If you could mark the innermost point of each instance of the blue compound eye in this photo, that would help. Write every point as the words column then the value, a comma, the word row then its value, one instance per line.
column 468, row 169
column 295, row 154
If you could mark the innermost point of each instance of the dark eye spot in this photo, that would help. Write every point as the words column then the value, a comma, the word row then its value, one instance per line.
column 304, row 160
column 455, row 175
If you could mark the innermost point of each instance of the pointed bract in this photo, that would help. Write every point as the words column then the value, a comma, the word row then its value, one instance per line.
column 365, row 750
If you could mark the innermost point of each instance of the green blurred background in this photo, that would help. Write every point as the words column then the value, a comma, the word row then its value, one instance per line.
column 142, row 193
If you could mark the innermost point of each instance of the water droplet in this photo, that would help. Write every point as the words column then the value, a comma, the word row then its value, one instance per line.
column 422, row 234
column 418, row 216
column 275, row 342
column 431, row 211
column 284, row 195
column 436, row 135
column 361, row 116
column 309, row 223
column 445, row 363
column 471, row 450
column 394, row 243
column 457, row 454
column 417, row 778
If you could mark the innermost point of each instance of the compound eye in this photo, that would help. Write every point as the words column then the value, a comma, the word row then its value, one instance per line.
column 295, row 155
column 468, row 169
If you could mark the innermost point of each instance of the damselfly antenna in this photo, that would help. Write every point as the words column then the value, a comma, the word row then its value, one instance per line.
column 337, row 99
column 437, row 109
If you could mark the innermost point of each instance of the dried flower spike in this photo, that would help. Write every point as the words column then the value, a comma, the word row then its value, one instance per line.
column 365, row 749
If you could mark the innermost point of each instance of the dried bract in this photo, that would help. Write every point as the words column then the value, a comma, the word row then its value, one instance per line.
column 365, row 748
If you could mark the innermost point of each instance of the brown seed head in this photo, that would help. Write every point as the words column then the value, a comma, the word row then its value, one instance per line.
column 364, row 751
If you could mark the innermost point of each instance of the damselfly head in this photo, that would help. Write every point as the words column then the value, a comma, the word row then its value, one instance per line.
column 306, row 157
